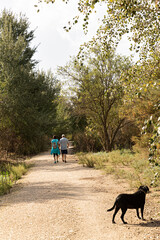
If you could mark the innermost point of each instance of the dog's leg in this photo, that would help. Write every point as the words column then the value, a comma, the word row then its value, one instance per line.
column 138, row 213
column 115, row 212
column 123, row 213
column 142, row 209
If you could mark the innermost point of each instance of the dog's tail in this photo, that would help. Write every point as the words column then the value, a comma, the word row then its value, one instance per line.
column 112, row 207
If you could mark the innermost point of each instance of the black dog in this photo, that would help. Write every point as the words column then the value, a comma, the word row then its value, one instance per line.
column 131, row 201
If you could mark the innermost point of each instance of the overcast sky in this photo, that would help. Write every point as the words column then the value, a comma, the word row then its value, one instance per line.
column 55, row 46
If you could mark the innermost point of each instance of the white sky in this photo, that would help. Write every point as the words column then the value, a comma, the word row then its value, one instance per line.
column 55, row 45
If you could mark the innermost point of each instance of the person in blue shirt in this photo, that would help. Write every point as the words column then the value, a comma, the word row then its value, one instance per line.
column 55, row 148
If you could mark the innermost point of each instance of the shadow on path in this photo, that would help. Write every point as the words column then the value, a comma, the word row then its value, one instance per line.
column 38, row 189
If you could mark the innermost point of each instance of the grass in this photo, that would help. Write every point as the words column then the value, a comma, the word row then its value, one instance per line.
column 93, row 160
column 124, row 164
column 9, row 174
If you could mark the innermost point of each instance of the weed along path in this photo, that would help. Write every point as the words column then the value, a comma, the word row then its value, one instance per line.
column 69, row 202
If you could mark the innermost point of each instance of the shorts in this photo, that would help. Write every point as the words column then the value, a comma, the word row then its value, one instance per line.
column 64, row 151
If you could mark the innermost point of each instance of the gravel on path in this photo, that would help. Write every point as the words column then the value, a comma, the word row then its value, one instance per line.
column 66, row 201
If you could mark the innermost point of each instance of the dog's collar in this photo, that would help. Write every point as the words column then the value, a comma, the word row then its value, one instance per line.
column 143, row 191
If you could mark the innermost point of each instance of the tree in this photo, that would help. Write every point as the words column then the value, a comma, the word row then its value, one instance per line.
column 142, row 91
column 137, row 18
column 98, row 90
column 28, row 98
column 62, row 121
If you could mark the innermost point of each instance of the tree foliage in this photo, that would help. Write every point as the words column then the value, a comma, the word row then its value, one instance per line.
column 98, row 90
column 142, row 84
column 28, row 98
column 140, row 20
column 123, row 16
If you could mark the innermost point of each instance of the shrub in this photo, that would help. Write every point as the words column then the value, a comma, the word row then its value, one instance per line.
column 125, row 164
column 95, row 160
column 9, row 174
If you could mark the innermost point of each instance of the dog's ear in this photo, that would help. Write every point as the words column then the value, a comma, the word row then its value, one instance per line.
column 147, row 189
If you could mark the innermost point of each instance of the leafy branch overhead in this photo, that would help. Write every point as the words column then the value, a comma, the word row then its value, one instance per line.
column 139, row 17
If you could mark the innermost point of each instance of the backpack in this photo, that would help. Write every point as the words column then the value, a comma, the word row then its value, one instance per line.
column 54, row 145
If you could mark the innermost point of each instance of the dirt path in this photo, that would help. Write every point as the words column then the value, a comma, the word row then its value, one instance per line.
column 69, row 202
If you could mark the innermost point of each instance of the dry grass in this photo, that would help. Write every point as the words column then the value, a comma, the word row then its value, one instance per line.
column 9, row 174
column 124, row 164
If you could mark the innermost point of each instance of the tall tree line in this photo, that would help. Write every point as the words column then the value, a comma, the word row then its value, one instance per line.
column 28, row 98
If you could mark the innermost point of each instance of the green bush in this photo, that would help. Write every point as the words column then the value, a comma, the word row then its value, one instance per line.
column 9, row 174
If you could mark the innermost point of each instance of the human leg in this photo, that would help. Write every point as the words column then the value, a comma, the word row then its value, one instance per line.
column 65, row 158
column 64, row 152
column 65, row 155
column 58, row 155
column 55, row 157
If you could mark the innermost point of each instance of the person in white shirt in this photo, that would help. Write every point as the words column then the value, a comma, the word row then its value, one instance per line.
column 64, row 147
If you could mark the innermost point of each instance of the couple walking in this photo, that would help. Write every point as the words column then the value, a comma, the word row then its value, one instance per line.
column 55, row 145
